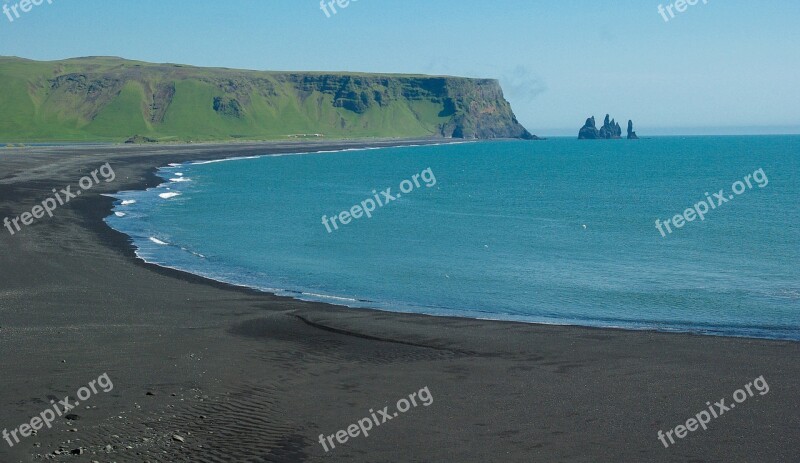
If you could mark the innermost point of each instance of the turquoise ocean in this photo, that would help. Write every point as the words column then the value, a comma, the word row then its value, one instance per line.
column 560, row 231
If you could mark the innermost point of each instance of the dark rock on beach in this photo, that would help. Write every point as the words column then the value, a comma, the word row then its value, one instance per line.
column 138, row 140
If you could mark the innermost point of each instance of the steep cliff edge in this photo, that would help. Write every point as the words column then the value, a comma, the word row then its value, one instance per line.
column 104, row 98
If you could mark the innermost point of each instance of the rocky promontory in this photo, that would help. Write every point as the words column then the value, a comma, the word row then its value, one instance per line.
column 110, row 99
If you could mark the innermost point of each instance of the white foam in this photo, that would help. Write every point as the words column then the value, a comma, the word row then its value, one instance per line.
column 326, row 296
column 171, row 194
column 178, row 174
column 199, row 163
column 180, row 179
column 158, row 241
column 119, row 214
column 343, row 150
column 128, row 202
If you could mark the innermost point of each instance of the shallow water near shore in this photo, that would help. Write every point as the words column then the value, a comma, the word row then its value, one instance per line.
column 561, row 231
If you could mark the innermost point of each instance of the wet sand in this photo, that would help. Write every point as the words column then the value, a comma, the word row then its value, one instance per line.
column 243, row 376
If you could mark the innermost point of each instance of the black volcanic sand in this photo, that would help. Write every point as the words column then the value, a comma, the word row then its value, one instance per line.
column 242, row 376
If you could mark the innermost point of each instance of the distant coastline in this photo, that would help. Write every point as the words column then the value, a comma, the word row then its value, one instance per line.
column 116, row 100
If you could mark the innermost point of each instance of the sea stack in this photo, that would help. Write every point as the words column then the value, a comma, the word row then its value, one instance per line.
column 610, row 130
column 589, row 130
column 631, row 133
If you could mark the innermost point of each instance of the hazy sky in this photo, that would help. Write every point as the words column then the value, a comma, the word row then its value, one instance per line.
column 727, row 63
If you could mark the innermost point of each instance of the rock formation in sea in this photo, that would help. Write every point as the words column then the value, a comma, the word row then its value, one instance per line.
column 589, row 130
column 631, row 133
column 610, row 130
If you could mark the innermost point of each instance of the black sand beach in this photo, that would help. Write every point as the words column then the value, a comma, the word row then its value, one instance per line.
column 206, row 372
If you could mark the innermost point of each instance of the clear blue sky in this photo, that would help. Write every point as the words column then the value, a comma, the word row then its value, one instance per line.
column 727, row 63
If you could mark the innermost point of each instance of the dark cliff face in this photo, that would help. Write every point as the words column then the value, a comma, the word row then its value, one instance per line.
column 476, row 108
column 480, row 111
column 110, row 97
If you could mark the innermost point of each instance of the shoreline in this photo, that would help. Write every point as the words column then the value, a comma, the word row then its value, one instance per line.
column 270, row 373
column 741, row 332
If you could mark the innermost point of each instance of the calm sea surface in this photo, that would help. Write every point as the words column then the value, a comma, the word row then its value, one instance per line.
column 561, row 231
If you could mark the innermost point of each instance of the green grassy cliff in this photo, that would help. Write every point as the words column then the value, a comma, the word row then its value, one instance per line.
column 112, row 99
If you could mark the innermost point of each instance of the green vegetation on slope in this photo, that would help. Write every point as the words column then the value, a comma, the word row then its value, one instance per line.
column 112, row 99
